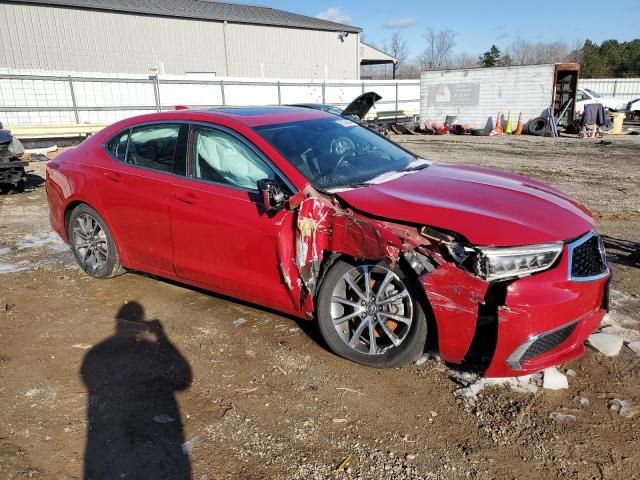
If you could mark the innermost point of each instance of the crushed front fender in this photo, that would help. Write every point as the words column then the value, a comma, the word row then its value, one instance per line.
column 455, row 297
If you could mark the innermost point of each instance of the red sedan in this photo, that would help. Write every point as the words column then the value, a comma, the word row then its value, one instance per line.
column 319, row 217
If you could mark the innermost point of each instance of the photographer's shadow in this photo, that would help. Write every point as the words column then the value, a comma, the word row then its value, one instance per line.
column 134, row 425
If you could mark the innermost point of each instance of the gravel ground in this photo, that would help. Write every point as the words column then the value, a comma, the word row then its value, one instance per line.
column 240, row 392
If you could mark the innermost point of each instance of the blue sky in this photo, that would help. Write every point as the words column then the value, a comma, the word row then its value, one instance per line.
column 478, row 24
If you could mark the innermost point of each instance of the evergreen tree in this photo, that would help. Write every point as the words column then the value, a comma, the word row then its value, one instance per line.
column 491, row 58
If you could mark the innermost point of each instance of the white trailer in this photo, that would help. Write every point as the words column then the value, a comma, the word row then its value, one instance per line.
column 476, row 95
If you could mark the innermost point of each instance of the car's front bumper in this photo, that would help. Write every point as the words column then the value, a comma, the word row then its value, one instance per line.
column 546, row 319
column 542, row 320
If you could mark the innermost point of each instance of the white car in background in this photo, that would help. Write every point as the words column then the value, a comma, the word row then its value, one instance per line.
column 633, row 109
column 586, row 95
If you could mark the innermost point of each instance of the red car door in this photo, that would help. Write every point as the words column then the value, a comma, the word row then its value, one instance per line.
column 222, row 235
column 135, row 188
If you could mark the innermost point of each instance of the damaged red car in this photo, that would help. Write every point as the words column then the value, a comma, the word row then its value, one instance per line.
column 319, row 217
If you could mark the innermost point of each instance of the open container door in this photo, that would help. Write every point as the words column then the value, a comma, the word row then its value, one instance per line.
column 565, row 88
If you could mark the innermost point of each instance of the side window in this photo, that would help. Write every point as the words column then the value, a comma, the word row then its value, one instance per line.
column 117, row 146
column 154, row 146
column 221, row 158
column 580, row 96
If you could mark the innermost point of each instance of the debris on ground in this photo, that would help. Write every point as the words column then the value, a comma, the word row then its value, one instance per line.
column 523, row 384
column 423, row 359
column 562, row 417
column 634, row 347
column 554, row 379
column 344, row 463
column 41, row 151
column 621, row 320
column 163, row 418
column 624, row 408
column 470, row 392
column 608, row 343
column 239, row 322
column 189, row 444
column 583, row 401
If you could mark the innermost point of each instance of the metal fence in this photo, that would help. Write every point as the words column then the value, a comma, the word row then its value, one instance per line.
column 68, row 99
column 613, row 87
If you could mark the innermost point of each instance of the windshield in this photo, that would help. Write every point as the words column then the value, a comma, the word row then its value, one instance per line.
column 331, row 109
column 592, row 93
column 338, row 153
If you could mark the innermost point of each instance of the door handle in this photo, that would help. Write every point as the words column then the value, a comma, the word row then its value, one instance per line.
column 114, row 177
column 189, row 198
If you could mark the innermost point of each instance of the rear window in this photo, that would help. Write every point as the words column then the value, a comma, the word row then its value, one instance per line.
column 117, row 146
column 160, row 147
column 153, row 146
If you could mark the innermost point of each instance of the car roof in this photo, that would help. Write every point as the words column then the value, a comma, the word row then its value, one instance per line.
column 253, row 116
column 268, row 115
column 246, row 116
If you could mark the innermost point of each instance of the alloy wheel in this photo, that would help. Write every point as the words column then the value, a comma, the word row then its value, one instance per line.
column 371, row 309
column 90, row 242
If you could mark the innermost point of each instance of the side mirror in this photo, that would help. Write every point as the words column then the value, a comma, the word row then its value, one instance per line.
column 273, row 197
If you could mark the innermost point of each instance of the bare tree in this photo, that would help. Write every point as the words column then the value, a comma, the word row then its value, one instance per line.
column 523, row 52
column 575, row 51
column 409, row 70
column 437, row 53
column 464, row 60
column 398, row 49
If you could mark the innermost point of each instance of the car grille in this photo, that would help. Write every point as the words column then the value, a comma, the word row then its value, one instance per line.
column 588, row 259
column 547, row 341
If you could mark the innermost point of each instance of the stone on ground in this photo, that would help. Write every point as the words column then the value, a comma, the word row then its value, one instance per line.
column 608, row 343
column 553, row 379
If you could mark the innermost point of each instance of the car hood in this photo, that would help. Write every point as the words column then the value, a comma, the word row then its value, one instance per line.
column 361, row 105
column 486, row 206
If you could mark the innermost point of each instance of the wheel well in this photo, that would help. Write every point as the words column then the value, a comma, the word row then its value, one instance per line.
column 67, row 213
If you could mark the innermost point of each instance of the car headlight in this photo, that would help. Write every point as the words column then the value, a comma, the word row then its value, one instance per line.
column 495, row 263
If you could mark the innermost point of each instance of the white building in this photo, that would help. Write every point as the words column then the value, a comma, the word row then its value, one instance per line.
column 176, row 37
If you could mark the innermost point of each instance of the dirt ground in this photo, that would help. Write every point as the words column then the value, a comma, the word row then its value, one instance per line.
column 223, row 389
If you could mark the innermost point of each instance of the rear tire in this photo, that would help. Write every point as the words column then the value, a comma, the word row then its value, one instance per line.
column 92, row 243
column 398, row 327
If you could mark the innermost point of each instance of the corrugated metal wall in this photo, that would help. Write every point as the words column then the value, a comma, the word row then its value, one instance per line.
column 526, row 89
column 52, row 38
column 291, row 53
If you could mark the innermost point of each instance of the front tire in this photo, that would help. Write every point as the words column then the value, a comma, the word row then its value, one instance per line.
column 92, row 243
column 371, row 314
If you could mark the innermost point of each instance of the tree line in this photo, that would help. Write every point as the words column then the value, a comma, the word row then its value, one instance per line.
column 608, row 59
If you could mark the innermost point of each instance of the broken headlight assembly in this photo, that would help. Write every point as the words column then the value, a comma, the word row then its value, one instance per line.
column 497, row 263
